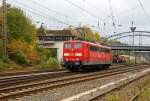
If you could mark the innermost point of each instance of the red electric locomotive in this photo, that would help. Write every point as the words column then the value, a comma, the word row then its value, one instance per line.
column 82, row 55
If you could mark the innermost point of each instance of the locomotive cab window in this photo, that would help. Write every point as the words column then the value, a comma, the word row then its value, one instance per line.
column 68, row 45
column 93, row 48
column 107, row 50
column 77, row 45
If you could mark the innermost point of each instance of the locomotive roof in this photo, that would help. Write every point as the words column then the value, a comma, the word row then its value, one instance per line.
column 90, row 43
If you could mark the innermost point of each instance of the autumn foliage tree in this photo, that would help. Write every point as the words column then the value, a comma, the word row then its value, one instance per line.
column 21, row 37
column 97, row 37
column 86, row 33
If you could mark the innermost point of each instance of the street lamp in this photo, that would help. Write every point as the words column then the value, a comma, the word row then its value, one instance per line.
column 41, row 28
column 42, row 23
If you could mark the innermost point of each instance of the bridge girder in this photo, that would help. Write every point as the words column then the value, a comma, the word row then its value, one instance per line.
column 119, row 34
column 131, row 48
column 131, row 35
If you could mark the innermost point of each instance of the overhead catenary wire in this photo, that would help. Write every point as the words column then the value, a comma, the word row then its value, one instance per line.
column 93, row 6
column 52, row 10
column 43, row 13
column 144, row 11
column 84, row 10
column 57, row 11
column 32, row 10
column 49, row 9
column 111, row 13
column 35, row 13
column 130, row 9
column 88, row 12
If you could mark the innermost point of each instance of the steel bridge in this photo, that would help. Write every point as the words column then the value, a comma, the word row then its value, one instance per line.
column 125, row 33
column 130, row 47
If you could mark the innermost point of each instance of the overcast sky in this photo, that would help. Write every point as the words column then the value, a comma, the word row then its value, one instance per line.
column 55, row 14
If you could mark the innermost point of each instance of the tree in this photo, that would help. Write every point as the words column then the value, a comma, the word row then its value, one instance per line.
column 97, row 37
column 21, row 37
column 83, row 32
column 19, row 25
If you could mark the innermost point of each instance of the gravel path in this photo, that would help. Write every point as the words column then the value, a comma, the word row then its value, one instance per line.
column 125, row 93
column 64, row 92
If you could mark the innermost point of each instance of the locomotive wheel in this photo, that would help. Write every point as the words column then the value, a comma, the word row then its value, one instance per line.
column 87, row 69
column 74, row 70
column 106, row 67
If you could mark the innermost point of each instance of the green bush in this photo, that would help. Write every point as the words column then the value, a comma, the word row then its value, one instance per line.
column 19, row 58
column 27, row 37
column 3, row 65
column 51, row 63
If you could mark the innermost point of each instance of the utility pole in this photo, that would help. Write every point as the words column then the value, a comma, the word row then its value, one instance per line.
column 133, row 30
column 4, row 31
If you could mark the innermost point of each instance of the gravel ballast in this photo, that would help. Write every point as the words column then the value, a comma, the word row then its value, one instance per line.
column 64, row 92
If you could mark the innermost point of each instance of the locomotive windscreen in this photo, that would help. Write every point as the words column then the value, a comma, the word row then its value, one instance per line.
column 68, row 45
column 77, row 45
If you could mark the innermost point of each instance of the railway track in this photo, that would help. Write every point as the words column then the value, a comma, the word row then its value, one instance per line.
column 10, row 74
column 25, row 89
column 24, row 79
column 28, row 78
column 134, row 98
column 6, row 74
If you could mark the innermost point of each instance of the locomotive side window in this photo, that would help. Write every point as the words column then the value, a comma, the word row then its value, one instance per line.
column 99, row 49
column 94, row 48
column 68, row 45
column 102, row 49
column 77, row 45
column 91, row 48
column 107, row 51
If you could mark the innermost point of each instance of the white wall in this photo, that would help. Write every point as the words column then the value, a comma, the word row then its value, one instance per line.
column 54, row 44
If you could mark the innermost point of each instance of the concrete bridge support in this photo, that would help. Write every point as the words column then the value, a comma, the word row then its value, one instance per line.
column 58, row 45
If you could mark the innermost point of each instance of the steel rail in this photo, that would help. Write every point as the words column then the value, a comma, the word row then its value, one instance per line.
column 31, row 78
column 7, row 74
column 41, row 86
column 19, row 80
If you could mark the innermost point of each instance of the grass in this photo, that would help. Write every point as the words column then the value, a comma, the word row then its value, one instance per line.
column 113, row 98
column 127, row 92
column 145, row 95
column 51, row 64
column 3, row 65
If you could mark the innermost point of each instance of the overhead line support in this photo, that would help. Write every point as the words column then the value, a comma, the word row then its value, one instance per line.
column 4, row 31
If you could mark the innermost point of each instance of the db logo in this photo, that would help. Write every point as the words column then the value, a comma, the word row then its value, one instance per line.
column 72, row 54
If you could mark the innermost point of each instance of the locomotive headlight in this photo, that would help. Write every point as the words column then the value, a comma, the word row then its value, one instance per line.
column 66, row 59
column 78, row 54
column 66, row 54
column 77, row 59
